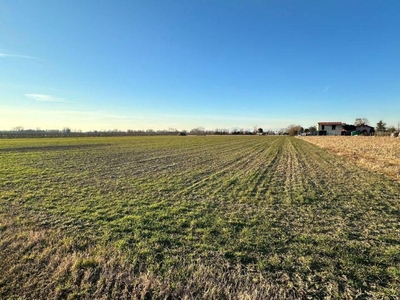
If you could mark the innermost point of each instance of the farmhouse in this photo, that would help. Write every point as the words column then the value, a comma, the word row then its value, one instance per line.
column 340, row 128
column 357, row 129
column 330, row 128
column 365, row 129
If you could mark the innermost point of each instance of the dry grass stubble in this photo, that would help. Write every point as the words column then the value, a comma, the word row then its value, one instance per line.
column 378, row 154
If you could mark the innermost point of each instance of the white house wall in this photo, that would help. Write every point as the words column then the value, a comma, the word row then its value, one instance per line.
column 330, row 131
column 337, row 131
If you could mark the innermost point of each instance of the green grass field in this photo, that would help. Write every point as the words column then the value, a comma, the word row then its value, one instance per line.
column 193, row 217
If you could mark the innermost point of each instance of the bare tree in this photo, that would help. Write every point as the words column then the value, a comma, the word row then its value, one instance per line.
column 197, row 131
column 66, row 130
column 361, row 121
column 294, row 129
column 18, row 128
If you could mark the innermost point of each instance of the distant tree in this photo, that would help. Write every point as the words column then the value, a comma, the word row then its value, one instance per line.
column 235, row 132
column 361, row 121
column 391, row 129
column 294, row 129
column 221, row 131
column 197, row 131
column 18, row 128
column 255, row 129
column 282, row 131
column 381, row 126
column 248, row 132
column 182, row 133
column 312, row 129
column 208, row 132
column 66, row 130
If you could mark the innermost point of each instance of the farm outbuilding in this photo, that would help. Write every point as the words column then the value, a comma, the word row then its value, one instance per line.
column 365, row 129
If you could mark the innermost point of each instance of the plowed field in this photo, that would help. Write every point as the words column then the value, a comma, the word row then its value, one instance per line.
column 193, row 218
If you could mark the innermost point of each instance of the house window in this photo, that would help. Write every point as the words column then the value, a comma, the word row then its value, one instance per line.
column 323, row 127
column 333, row 127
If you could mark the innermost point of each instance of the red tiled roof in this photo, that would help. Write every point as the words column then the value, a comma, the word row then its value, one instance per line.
column 330, row 123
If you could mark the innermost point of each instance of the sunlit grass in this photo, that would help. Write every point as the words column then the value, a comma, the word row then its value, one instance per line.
column 201, row 217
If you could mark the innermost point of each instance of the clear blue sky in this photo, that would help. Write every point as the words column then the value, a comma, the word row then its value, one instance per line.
column 96, row 64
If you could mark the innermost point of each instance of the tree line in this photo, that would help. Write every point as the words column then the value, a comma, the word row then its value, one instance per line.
column 382, row 128
column 20, row 132
column 292, row 130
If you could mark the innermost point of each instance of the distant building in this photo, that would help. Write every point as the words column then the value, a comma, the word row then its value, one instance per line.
column 348, row 129
column 358, row 130
column 365, row 129
column 329, row 128
column 340, row 128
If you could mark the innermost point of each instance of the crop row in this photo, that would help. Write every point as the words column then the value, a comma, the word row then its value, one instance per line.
column 193, row 217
